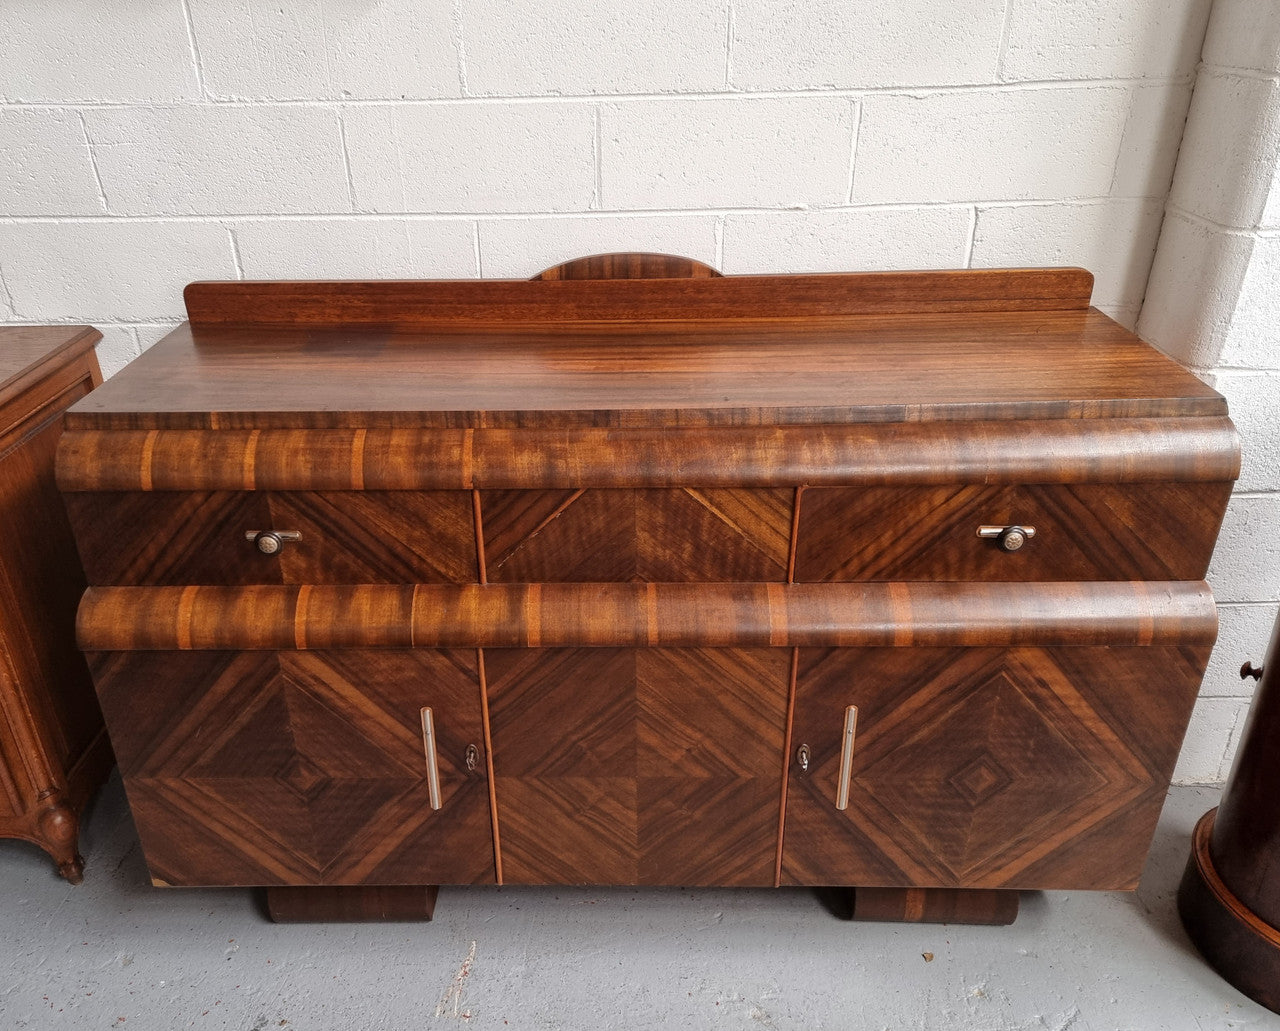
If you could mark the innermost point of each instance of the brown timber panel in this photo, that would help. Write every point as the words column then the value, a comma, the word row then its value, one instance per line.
column 986, row 768
column 41, row 583
column 392, row 302
column 640, row 615
column 676, row 535
column 377, row 536
column 300, row 767
column 638, row 766
column 198, row 537
column 867, row 454
column 629, row 265
column 172, row 537
column 1135, row 531
column 726, row 372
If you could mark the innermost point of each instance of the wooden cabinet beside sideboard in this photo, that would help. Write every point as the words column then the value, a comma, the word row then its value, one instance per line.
column 53, row 749
column 892, row 581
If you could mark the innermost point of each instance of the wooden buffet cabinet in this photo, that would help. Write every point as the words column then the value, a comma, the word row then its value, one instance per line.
column 634, row 573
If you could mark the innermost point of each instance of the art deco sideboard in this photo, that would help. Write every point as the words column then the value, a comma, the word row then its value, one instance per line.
column 638, row 574
column 53, row 748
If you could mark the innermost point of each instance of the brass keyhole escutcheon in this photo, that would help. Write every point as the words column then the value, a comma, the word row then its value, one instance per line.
column 472, row 758
column 802, row 756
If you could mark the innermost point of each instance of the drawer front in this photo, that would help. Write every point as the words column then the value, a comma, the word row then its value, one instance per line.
column 656, row 535
column 638, row 766
column 1143, row 531
column 173, row 538
column 262, row 768
column 983, row 768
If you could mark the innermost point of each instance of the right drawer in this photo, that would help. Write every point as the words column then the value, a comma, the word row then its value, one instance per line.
column 1113, row 531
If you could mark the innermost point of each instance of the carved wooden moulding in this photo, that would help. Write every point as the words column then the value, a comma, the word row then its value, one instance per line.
column 635, row 573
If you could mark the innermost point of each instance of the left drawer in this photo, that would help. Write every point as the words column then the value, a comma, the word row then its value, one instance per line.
column 171, row 538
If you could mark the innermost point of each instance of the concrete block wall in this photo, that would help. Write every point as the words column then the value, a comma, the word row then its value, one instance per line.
column 146, row 145
column 1213, row 301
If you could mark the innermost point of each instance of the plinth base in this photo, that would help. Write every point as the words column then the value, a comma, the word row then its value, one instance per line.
column 351, row 904
column 936, row 905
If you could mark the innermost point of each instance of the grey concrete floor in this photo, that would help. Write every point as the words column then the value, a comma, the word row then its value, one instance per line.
column 116, row 953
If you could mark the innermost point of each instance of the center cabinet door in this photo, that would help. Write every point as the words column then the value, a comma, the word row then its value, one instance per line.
column 983, row 767
column 638, row 765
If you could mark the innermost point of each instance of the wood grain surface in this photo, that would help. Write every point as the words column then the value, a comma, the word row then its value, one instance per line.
column 1031, row 451
column 1131, row 531
column 198, row 537
column 635, row 298
column 986, row 768
column 1245, row 844
column 638, row 766
column 890, row 368
column 258, row 768
column 629, row 266
column 673, row 535
column 1240, row 945
column 31, row 354
column 639, row 531
column 627, row 614
column 53, row 750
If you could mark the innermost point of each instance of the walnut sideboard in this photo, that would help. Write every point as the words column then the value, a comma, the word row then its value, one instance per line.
column 634, row 573
column 53, row 748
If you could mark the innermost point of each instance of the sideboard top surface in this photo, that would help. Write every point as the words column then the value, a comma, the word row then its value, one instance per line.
column 298, row 358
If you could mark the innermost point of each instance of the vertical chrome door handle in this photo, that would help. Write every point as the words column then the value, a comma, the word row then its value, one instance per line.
column 846, row 757
column 429, row 747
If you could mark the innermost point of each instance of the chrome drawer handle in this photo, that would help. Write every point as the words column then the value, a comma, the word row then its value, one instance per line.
column 846, row 757
column 1010, row 538
column 270, row 541
column 433, row 767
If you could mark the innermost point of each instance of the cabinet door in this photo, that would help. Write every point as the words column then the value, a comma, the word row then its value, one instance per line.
column 984, row 768
column 638, row 766
column 261, row 768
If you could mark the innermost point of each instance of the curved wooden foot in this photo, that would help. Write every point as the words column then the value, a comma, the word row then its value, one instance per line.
column 354, row 903
column 1238, row 943
column 58, row 831
column 935, row 905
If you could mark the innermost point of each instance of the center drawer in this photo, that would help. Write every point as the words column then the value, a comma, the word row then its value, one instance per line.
column 644, row 535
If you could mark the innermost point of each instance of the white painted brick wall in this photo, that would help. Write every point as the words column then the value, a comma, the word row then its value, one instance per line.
column 835, row 241
column 147, row 144
column 472, row 157
column 755, row 152
column 68, row 51
column 346, row 248
column 318, row 49
column 45, row 164
column 1213, row 300
column 521, row 49
column 1022, row 144
column 1115, row 39
column 218, row 159
column 819, row 44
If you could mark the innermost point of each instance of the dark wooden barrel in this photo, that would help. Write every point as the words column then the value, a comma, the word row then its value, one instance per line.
column 1230, row 894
